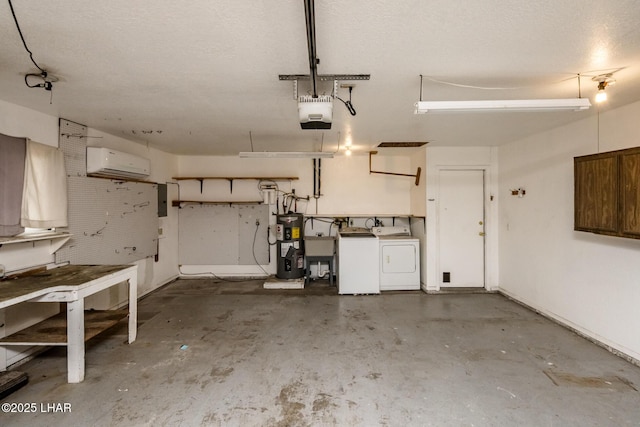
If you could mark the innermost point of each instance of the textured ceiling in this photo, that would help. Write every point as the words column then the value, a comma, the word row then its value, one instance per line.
column 201, row 77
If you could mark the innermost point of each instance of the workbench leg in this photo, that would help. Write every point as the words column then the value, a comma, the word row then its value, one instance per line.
column 133, row 308
column 3, row 349
column 75, row 340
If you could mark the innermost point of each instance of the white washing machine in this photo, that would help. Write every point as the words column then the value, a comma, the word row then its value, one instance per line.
column 399, row 259
column 357, row 255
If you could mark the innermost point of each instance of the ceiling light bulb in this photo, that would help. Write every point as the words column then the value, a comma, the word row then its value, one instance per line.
column 601, row 96
column 603, row 81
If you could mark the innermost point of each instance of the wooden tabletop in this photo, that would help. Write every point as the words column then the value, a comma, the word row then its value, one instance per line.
column 62, row 278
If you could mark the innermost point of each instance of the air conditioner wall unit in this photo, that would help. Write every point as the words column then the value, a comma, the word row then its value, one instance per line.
column 106, row 162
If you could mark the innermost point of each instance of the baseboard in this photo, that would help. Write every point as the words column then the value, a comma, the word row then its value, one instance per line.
column 462, row 290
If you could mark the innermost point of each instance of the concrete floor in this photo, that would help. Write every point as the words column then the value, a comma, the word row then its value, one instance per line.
column 256, row 357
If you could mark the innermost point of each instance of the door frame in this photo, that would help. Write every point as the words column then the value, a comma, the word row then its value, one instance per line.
column 432, row 256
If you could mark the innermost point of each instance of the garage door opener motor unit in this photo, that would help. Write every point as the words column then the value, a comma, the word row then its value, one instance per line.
column 315, row 112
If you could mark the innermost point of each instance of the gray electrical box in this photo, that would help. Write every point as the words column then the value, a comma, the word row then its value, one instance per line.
column 162, row 200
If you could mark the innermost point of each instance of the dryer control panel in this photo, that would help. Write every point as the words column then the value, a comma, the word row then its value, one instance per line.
column 391, row 231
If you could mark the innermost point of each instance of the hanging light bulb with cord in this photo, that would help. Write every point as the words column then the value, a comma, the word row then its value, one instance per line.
column 601, row 96
column 603, row 80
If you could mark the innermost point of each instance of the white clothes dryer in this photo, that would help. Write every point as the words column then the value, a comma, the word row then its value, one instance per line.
column 399, row 259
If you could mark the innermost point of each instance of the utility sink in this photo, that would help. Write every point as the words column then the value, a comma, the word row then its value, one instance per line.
column 319, row 246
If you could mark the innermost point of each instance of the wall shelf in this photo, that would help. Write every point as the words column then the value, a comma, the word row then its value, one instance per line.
column 178, row 203
column 368, row 215
column 57, row 239
column 233, row 178
column 347, row 217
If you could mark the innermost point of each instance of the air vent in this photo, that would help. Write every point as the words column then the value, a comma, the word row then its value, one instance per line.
column 401, row 144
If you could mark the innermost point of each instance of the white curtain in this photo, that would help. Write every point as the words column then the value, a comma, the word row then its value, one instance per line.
column 12, row 154
column 44, row 194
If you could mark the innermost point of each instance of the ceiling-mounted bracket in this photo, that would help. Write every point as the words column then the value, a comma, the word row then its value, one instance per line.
column 322, row 77
column 606, row 78
column 416, row 176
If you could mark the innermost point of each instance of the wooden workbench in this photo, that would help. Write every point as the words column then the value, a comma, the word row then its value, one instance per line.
column 70, row 284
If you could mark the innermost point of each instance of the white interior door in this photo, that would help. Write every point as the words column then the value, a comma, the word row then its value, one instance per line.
column 461, row 228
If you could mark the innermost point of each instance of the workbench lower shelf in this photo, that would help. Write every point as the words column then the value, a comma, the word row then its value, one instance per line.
column 53, row 331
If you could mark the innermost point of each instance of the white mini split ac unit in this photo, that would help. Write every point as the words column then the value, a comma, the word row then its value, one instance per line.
column 315, row 113
column 111, row 163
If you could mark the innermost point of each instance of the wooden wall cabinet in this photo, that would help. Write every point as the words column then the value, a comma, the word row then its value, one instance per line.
column 630, row 193
column 607, row 193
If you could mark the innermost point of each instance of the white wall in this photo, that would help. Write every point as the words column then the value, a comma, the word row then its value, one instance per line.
column 23, row 122
column 419, row 192
column 151, row 274
column 347, row 189
column 347, row 186
column 484, row 158
column 418, row 196
column 590, row 282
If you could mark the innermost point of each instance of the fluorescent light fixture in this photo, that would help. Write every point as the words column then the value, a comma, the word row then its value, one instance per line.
column 575, row 104
column 287, row 154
